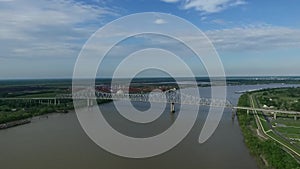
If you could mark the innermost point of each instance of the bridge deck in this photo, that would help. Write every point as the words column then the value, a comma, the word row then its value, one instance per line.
column 187, row 100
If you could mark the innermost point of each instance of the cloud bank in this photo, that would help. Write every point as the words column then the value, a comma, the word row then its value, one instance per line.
column 207, row 6
column 47, row 28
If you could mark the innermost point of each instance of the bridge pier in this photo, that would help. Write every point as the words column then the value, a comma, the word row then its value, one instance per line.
column 56, row 102
column 89, row 102
column 295, row 117
column 172, row 107
column 233, row 114
column 275, row 116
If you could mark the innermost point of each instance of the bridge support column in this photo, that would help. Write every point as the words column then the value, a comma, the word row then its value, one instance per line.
column 295, row 117
column 172, row 107
column 275, row 116
column 91, row 102
column 247, row 112
column 233, row 114
column 88, row 102
column 54, row 101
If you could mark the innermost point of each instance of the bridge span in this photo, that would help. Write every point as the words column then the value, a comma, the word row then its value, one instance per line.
column 171, row 97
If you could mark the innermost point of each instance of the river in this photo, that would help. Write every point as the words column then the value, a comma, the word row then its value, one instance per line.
column 59, row 142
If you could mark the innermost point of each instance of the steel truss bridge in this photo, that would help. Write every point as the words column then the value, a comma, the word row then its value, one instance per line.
column 171, row 96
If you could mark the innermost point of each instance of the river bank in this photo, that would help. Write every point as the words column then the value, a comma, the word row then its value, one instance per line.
column 27, row 120
column 14, row 123
column 268, row 153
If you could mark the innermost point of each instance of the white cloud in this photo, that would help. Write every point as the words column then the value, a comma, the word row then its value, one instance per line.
column 170, row 1
column 160, row 21
column 203, row 18
column 247, row 38
column 211, row 6
column 255, row 38
column 219, row 22
column 243, row 39
column 208, row 6
column 47, row 28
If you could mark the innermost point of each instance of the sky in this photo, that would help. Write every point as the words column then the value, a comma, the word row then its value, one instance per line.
column 42, row 39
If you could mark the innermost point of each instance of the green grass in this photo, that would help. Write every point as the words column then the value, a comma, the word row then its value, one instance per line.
column 288, row 130
column 287, row 143
column 38, row 95
column 268, row 149
column 265, row 124
column 287, row 121
column 285, row 131
column 282, row 98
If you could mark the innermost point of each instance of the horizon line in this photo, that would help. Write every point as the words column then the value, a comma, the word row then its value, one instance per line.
column 152, row 77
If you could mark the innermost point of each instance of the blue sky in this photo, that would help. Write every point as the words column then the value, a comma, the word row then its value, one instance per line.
column 42, row 39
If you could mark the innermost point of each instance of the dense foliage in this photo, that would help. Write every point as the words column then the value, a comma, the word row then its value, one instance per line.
column 281, row 98
column 18, row 109
column 268, row 153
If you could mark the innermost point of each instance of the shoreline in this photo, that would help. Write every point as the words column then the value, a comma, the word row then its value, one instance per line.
column 264, row 150
column 20, row 122
column 14, row 123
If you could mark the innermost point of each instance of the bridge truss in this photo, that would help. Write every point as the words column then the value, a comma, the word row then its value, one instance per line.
column 170, row 96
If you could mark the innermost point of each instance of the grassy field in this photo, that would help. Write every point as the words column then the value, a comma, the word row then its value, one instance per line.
column 289, row 128
column 280, row 98
column 265, row 146
column 13, row 110
column 285, row 129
